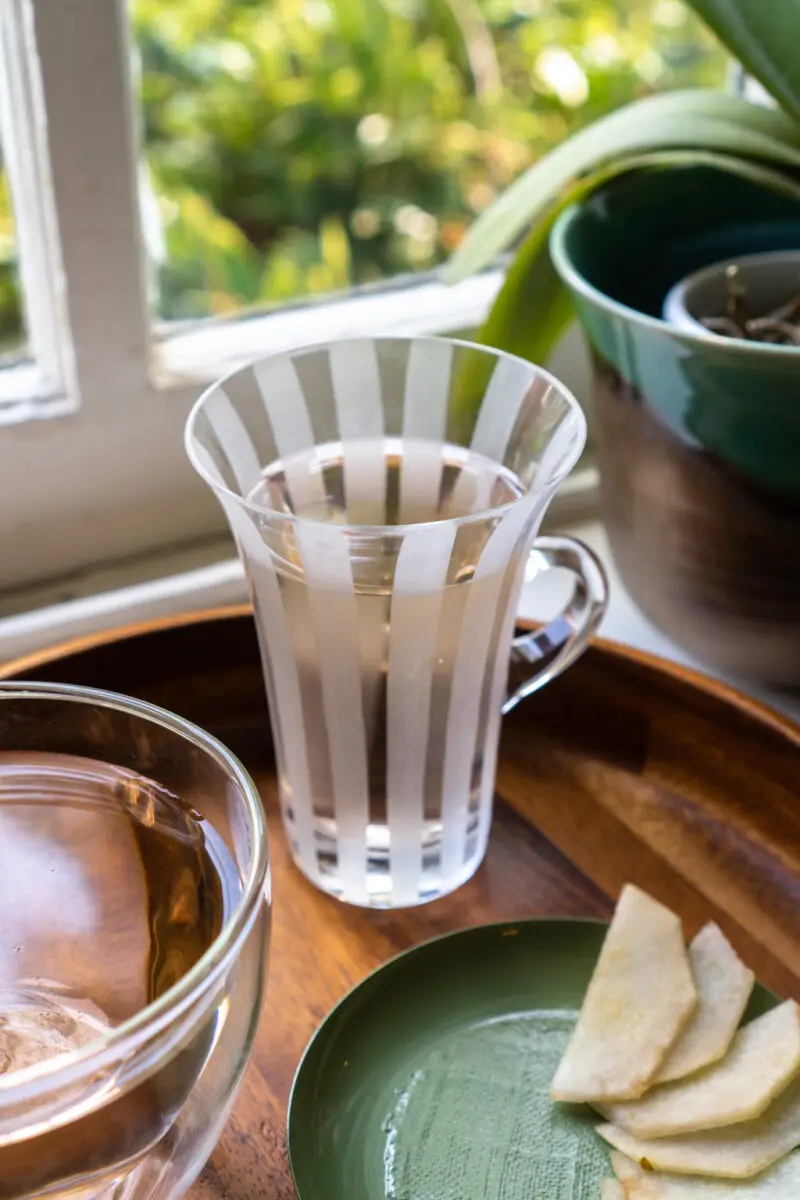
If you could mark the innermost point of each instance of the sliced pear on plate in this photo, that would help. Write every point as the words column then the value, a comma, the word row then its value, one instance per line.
column 724, row 985
column 638, row 1002
column 782, row 1182
column 738, row 1152
column 623, row 1167
column 763, row 1059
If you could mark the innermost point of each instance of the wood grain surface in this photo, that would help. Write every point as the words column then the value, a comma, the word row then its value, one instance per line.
column 625, row 768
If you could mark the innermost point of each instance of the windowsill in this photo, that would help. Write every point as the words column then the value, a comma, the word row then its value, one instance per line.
column 203, row 351
column 223, row 583
column 26, row 393
column 200, row 352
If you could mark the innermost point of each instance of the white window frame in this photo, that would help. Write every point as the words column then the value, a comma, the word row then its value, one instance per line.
column 43, row 384
column 102, row 477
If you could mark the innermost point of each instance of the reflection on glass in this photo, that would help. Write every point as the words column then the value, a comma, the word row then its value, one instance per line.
column 12, row 322
column 297, row 147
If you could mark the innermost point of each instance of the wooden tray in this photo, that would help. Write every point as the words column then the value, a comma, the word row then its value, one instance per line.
column 625, row 768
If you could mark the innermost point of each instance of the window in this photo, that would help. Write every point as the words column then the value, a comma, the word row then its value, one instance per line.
column 13, row 336
column 192, row 179
column 299, row 147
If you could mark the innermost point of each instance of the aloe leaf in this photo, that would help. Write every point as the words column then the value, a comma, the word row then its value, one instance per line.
column 699, row 120
column 531, row 310
column 533, row 307
column 765, row 36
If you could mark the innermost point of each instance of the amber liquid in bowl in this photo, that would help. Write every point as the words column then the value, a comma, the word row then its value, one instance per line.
column 111, row 889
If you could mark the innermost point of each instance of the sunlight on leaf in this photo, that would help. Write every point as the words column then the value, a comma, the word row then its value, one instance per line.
column 765, row 36
column 335, row 251
column 705, row 121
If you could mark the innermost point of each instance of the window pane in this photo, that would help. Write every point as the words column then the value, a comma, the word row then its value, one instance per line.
column 13, row 340
column 296, row 147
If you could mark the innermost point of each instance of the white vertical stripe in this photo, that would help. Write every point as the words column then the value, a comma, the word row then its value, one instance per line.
column 427, row 392
column 416, row 605
column 496, row 554
column 359, row 409
column 334, row 614
column 206, row 460
column 501, row 406
column 420, row 481
column 468, row 674
column 234, row 440
column 560, row 446
column 497, row 693
column 288, row 413
column 286, row 704
column 427, row 389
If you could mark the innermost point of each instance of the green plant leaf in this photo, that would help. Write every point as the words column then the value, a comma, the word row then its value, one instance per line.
column 533, row 307
column 765, row 36
column 701, row 120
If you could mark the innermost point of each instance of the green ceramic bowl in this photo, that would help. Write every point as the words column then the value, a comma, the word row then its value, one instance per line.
column 699, row 436
column 430, row 1079
column 620, row 253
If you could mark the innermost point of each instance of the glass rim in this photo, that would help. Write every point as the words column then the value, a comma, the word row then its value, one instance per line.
column 497, row 512
column 34, row 1082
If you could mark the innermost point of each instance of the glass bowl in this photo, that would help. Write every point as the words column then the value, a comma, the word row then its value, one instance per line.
column 134, row 923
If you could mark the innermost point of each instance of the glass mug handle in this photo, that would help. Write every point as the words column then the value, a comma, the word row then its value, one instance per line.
column 563, row 639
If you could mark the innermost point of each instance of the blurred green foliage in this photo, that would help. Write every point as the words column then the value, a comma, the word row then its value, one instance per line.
column 11, row 330
column 296, row 147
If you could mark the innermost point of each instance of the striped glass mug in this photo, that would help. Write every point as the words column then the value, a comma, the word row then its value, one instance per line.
column 385, row 494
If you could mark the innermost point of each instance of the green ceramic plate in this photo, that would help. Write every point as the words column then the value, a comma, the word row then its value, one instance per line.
column 429, row 1080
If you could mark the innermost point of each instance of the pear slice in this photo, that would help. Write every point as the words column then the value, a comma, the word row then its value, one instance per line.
column 738, row 1152
column 623, row 1167
column 639, row 999
column 724, row 985
column 780, row 1183
column 764, row 1057
column 611, row 1189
